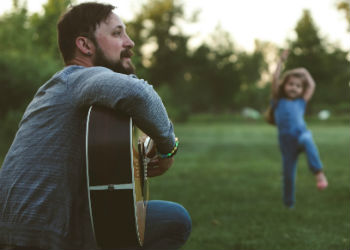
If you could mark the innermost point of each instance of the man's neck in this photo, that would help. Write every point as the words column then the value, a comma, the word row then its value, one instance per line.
column 81, row 61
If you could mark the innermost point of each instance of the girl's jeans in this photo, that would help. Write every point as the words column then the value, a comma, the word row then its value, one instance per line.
column 168, row 225
column 291, row 146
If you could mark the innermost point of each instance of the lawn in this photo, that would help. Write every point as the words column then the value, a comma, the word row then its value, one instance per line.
column 228, row 177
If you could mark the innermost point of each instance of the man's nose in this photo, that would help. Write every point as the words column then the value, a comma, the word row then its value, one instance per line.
column 128, row 42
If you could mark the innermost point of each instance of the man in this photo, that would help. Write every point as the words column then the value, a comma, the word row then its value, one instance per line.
column 43, row 195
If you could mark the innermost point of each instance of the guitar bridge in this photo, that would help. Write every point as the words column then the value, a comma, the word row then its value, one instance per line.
column 110, row 187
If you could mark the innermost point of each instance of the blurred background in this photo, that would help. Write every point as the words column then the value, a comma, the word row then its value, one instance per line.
column 201, row 58
column 211, row 62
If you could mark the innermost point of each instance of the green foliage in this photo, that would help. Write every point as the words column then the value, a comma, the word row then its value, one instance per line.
column 14, row 33
column 344, row 5
column 24, row 64
column 8, row 128
column 177, row 108
column 44, row 26
column 214, row 77
column 27, row 61
column 20, row 78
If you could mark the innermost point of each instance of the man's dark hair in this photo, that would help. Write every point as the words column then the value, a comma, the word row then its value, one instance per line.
column 80, row 20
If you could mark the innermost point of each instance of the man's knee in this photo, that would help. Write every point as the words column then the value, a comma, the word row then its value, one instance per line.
column 182, row 219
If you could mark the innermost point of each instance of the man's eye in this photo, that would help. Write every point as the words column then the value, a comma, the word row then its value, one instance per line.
column 117, row 33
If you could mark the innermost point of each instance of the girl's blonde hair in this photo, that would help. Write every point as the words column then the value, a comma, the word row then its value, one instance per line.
column 269, row 114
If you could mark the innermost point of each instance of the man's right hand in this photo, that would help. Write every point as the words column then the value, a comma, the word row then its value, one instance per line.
column 158, row 166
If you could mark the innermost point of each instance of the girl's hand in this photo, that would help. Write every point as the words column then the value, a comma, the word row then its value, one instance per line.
column 284, row 55
column 276, row 75
column 301, row 71
column 310, row 83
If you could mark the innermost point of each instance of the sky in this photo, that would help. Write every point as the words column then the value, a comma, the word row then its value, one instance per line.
column 245, row 20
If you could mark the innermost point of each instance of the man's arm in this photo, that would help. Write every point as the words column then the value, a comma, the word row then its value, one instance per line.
column 134, row 97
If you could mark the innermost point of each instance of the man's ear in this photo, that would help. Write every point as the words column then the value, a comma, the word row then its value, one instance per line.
column 85, row 45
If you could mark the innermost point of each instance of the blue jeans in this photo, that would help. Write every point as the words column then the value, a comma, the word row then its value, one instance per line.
column 291, row 146
column 168, row 225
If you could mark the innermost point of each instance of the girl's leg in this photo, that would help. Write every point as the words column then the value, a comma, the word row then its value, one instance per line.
column 305, row 140
column 168, row 225
column 313, row 158
column 289, row 150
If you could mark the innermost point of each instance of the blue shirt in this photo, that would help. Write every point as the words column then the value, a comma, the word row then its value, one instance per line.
column 43, row 194
column 289, row 116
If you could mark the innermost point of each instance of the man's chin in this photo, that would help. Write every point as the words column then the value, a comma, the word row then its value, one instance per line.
column 123, row 66
column 127, row 66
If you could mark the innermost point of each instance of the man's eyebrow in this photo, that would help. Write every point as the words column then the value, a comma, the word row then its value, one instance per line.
column 119, row 26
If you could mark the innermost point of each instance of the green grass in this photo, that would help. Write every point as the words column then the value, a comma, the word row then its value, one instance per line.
column 228, row 177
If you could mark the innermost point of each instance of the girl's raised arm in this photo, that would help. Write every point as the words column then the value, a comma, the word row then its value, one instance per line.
column 277, row 74
column 310, row 83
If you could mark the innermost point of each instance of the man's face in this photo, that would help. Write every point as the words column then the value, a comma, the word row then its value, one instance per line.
column 113, row 48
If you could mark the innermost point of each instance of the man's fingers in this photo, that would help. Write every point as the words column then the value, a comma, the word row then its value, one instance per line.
column 153, row 162
column 154, row 172
column 158, row 166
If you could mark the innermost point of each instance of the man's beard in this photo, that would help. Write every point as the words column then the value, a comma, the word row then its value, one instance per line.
column 101, row 60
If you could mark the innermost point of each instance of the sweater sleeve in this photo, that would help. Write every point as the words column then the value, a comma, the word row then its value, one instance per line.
column 134, row 97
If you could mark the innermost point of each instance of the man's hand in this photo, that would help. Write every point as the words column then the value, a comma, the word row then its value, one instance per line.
column 158, row 166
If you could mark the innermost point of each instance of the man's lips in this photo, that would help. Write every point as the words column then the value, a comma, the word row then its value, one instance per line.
column 126, row 53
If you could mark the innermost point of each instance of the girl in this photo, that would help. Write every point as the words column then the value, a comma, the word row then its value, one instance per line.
column 289, row 98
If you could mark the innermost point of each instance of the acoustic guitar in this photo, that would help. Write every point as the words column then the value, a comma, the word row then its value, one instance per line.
column 116, row 178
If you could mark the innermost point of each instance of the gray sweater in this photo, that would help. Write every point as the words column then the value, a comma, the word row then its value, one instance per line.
column 43, row 196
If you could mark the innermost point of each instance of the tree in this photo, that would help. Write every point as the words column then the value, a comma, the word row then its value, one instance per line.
column 161, row 53
column 215, row 78
column 326, row 63
column 14, row 32
column 24, row 63
column 208, row 78
column 252, row 67
column 158, row 39
column 344, row 5
column 44, row 26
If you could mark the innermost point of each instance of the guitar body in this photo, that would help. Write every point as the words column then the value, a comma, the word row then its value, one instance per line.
column 116, row 179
